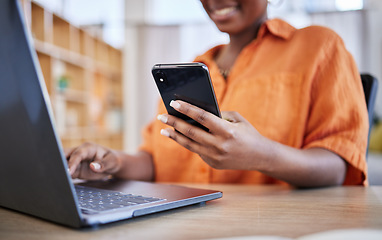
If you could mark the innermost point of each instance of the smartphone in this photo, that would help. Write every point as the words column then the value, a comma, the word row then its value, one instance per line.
column 189, row 82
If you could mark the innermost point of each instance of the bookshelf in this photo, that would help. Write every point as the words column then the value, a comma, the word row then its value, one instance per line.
column 83, row 75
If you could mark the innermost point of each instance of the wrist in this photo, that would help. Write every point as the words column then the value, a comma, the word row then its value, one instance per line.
column 266, row 155
column 119, row 157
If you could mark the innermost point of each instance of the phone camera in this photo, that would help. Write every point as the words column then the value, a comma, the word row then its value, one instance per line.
column 161, row 77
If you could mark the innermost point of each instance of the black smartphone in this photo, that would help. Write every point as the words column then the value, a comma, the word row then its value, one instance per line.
column 189, row 82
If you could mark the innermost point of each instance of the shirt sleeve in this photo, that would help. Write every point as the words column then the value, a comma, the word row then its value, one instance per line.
column 338, row 119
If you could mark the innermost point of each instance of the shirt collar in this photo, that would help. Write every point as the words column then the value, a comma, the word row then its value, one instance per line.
column 278, row 28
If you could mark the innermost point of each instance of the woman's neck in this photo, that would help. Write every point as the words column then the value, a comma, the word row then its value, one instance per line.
column 228, row 54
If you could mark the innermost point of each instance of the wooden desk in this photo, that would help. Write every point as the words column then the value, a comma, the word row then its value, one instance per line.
column 243, row 211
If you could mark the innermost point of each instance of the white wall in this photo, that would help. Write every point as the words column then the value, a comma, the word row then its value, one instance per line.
column 374, row 49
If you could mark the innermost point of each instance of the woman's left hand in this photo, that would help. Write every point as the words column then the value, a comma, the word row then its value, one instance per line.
column 231, row 143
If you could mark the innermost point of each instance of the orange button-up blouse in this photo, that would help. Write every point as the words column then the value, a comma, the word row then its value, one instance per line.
column 299, row 87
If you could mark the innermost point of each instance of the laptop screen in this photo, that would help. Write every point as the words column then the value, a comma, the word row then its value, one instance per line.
column 33, row 172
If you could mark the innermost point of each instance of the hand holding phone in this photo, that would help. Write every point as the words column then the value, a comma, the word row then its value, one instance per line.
column 189, row 82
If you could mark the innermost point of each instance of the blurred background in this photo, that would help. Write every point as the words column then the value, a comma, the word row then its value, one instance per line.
column 139, row 34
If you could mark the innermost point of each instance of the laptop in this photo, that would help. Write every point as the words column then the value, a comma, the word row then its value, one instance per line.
column 33, row 169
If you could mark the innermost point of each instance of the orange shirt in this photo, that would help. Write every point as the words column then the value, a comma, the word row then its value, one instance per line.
column 298, row 87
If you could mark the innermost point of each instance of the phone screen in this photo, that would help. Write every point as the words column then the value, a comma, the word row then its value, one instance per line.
column 189, row 82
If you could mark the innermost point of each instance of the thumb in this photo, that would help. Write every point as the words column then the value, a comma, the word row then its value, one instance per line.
column 233, row 117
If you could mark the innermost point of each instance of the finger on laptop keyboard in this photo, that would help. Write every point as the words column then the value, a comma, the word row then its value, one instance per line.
column 85, row 152
column 97, row 164
column 106, row 162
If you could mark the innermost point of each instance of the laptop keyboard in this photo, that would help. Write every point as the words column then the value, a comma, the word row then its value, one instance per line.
column 93, row 200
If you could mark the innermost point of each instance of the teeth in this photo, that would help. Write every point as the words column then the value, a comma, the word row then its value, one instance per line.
column 224, row 11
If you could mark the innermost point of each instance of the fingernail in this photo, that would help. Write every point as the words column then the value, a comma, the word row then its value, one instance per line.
column 174, row 104
column 96, row 166
column 164, row 132
column 162, row 118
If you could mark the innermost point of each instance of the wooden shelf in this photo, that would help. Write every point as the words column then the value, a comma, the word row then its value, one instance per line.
column 61, row 32
column 38, row 24
column 83, row 75
column 46, row 68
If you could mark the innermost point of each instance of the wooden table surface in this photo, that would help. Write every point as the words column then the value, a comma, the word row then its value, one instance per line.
column 244, row 210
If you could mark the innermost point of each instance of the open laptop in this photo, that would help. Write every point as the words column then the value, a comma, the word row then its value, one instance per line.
column 33, row 170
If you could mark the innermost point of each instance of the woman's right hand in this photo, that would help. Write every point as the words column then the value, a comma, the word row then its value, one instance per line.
column 91, row 161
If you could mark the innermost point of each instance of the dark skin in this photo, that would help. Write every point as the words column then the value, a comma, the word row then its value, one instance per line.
column 232, row 144
column 242, row 28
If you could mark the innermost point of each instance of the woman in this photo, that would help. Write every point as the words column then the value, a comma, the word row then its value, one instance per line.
column 292, row 105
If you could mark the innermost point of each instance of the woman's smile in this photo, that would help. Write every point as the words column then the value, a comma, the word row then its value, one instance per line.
column 223, row 14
